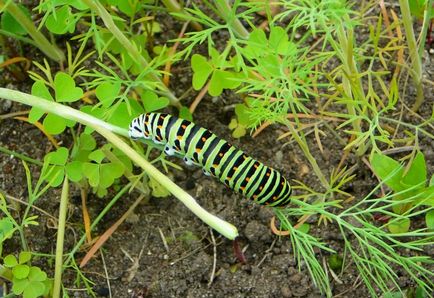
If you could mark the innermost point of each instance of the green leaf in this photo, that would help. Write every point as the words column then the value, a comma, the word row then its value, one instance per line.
column 97, row 156
column 54, row 176
column 416, row 175
column 335, row 262
column 399, row 226
column 124, row 113
column 278, row 40
column 36, row 274
column 158, row 190
column 21, row 271
column 73, row 171
column 54, row 124
column 184, row 113
column 10, row 261
column 429, row 219
column 243, row 115
column 61, row 21
column 109, row 172
column 304, row 228
column 58, row 157
column 19, row 285
column 389, row 171
column 91, row 171
column 39, row 89
column 107, row 93
column 152, row 102
column 201, row 70
column 6, row 229
column 87, row 142
column 24, row 257
column 65, row 88
column 9, row 24
column 35, row 289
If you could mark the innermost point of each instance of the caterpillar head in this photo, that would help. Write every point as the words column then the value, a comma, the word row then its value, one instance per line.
column 137, row 129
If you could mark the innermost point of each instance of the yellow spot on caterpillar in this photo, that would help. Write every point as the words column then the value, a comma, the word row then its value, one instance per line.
column 198, row 150
column 220, row 154
column 261, row 187
column 203, row 139
column 245, row 156
column 242, row 188
column 159, row 126
column 256, row 166
column 228, row 178
column 215, row 165
column 274, row 198
column 248, row 179
column 161, row 117
column 235, row 168
column 179, row 137
column 268, row 174
column 254, row 197
column 184, row 126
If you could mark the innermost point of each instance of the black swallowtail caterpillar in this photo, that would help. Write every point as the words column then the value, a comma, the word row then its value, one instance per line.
column 216, row 156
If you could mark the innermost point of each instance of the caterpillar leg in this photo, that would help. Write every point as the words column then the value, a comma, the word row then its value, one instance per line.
column 169, row 150
column 188, row 161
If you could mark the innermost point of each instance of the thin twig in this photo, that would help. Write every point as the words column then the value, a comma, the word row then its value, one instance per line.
column 106, row 273
column 163, row 238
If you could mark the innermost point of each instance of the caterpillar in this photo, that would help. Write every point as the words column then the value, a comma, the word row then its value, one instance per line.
column 216, row 156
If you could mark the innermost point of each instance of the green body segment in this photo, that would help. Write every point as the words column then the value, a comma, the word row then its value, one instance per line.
column 216, row 156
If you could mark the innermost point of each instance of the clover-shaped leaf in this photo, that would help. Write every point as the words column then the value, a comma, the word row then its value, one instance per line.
column 152, row 102
column 6, row 229
column 399, row 226
column 21, row 271
column 107, row 93
column 54, row 166
column 201, row 70
column 39, row 89
column 10, row 261
column 65, row 88
column 62, row 20
column 24, row 257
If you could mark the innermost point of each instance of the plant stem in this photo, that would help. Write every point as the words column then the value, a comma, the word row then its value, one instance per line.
column 20, row 156
column 226, row 12
column 130, row 47
column 60, row 237
column 106, row 130
column 413, row 51
column 174, row 7
column 425, row 25
column 52, row 51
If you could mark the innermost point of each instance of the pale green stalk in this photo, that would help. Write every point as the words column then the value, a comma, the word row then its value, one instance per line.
column 426, row 23
column 50, row 50
column 413, row 52
column 60, row 237
column 106, row 130
column 97, row 7
column 226, row 12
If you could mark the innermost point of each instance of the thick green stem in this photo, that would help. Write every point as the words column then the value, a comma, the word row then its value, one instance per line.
column 226, row 12
column 52, row 51
column 97, row 7
column 413, row 51
column 60, row 237
column 106, row 130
